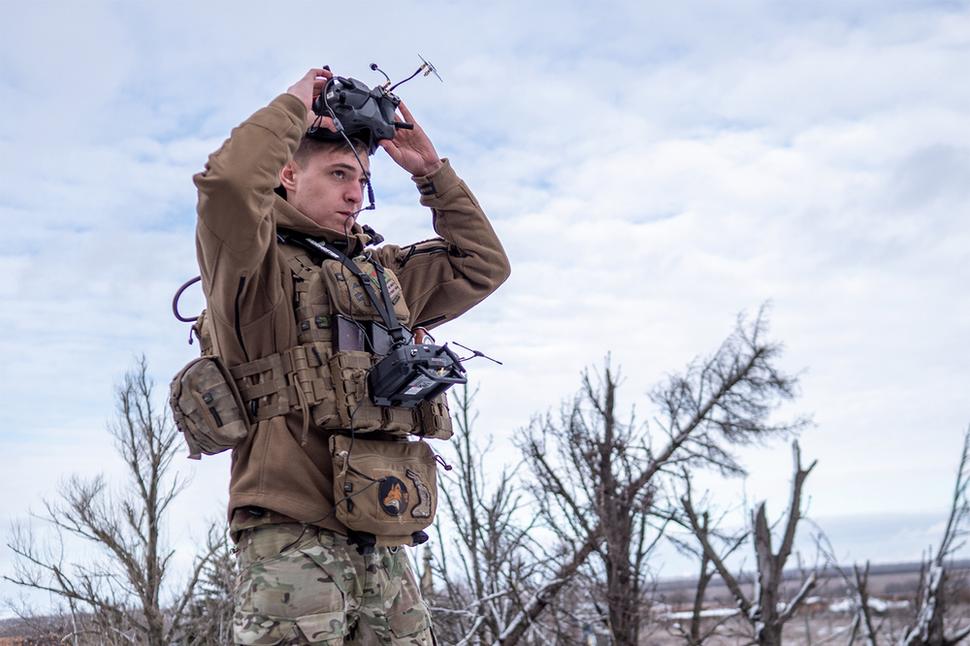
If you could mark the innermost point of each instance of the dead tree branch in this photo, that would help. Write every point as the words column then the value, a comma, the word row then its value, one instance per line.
column 120, row 595
column 599, row 474
column 928, row 627
column 764, row 610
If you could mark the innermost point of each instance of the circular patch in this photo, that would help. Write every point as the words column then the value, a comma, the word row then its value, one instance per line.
column 393, row 496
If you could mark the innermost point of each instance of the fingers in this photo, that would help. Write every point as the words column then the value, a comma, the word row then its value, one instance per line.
column 318, row 86
column 405, row 112
column 318, row 78
column 314, row 72
column 310, row 85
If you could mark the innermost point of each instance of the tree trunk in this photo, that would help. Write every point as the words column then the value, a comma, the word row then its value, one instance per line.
column 770, row 635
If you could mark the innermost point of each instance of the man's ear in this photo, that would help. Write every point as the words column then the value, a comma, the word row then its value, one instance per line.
column 288, row 175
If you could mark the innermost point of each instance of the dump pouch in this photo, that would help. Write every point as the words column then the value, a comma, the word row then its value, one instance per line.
column 207, row 407
column 384, row 487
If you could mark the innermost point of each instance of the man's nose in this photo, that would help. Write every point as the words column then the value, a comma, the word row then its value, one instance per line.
column 354, row 193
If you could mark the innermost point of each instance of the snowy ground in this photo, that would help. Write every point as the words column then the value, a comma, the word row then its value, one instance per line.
column 825, row 618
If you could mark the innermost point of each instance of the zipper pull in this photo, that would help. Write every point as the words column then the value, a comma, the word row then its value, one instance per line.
column 440, row 460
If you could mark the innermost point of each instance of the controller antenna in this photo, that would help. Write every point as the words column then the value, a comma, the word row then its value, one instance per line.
column 374, row 67
column 429, row 68
column 426, row 67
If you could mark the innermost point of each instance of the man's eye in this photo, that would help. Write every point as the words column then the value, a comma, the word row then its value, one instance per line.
column 339, row 174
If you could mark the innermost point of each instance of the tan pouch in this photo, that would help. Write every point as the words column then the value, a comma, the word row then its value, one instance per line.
column 348, row 297
column 354, row 407
column 312, row 372
column 384, row 487
column 399, row 420
column 435, row 418
column 207, row 408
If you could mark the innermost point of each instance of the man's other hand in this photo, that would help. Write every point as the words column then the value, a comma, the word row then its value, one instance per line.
column 412, row 150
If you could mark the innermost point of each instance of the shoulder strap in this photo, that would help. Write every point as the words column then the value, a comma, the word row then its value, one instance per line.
column 297, row 260
column 384, row 306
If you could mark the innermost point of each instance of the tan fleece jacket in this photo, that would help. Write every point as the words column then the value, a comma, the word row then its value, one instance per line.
column 248, row 289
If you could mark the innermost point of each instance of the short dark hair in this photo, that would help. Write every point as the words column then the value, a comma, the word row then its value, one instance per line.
column 310, row 146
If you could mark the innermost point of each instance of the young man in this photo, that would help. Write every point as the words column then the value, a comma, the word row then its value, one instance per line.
column 271, row 315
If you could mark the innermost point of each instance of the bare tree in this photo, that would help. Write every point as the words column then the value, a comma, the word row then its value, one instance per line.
column 118, row 596
column 599, row 476
column 490, row 558
column 862, row 624
column 725, row 544
column 208, row 617
column 598, row 454
column 929, row 625
column 764, row 610
column 32, row 629
column 863, row 627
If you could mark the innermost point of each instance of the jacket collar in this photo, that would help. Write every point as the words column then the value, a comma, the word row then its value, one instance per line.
column 289, row 217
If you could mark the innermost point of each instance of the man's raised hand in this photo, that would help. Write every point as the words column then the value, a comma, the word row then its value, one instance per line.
column 308, row 88
column 412, row 150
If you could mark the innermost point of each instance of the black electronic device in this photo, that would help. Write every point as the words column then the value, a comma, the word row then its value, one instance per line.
column 359, row 112
column 381, row 341
column 348, row 335
column 411, row 374
column 362, row 114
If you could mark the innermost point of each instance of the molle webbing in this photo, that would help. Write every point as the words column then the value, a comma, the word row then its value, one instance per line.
column 268, row 385
column 334, row 391
column 312, row 377
column 314, row 322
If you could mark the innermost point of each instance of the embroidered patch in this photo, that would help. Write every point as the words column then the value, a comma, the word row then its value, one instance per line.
column 393, row 496
column 422, row 509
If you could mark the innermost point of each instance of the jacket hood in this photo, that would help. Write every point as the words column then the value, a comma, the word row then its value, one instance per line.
column 289, row 217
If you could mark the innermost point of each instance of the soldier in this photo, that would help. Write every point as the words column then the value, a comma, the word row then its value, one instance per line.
column 321, row 561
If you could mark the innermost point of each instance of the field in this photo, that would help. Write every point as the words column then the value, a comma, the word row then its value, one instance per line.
column 826, row 618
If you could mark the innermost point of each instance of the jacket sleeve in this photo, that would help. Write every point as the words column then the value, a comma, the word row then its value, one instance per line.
column 444, row 277
column 235, row 230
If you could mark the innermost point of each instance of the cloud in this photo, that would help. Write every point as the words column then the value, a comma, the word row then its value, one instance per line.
column 652, row 170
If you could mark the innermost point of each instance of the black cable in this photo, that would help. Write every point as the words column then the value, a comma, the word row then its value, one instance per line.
column 340, row 131
column 416, row 72
column 374, row 67
column 178, row 295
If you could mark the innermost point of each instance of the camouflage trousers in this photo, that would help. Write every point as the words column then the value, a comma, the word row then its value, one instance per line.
column 307, row 586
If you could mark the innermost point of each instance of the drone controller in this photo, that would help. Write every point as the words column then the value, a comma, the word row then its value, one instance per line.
column 411, row 374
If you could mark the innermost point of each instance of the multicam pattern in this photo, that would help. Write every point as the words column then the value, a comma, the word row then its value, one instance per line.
column 306, row 586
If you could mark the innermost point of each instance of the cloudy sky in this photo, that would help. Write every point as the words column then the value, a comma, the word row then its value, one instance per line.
column 653, row 169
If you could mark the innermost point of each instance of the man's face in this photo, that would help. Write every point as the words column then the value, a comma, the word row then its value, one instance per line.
column 327, row 187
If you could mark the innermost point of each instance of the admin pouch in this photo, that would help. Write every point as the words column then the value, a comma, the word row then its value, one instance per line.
column 207, row 408
column 334, row 282
column 385, row 488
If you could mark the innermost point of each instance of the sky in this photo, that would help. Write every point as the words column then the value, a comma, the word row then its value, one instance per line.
column 652, row 168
